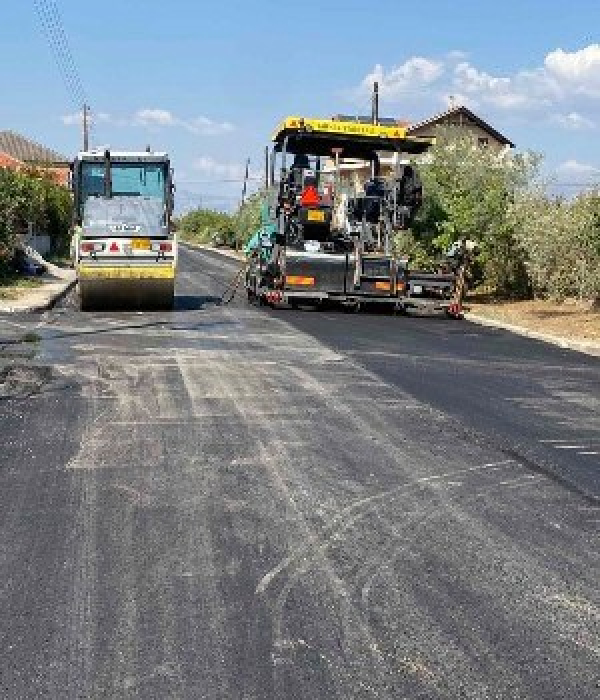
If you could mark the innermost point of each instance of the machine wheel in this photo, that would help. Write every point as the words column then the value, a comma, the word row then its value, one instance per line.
column 168, row 305
column 84, row 301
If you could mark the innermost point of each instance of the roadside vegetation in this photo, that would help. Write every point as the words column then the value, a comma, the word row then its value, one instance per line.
column 220, row 228
column 30, row 198
column 532, row 244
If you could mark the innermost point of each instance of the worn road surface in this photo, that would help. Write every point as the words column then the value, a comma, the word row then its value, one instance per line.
column 229, row 502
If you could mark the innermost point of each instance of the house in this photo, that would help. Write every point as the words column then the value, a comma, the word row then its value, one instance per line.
column 18, row 152
column 461, row 116
column 353, row 173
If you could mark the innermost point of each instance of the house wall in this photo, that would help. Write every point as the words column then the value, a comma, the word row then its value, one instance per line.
column 7, row 161
column 465, row 123
column 58, row 173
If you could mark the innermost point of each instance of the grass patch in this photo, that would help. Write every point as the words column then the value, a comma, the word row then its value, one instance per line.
column 59, row 259
column 12, row 285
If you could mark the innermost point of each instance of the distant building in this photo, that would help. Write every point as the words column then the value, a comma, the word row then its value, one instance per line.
column 461, row 116
column 19, row 153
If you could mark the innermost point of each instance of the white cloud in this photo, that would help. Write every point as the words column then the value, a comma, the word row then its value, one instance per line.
column 215, row 169
column 573, row 121
column 574, row 169
column 457, row 98
column 197, row 125
column 207, row 127
column 568, row 81
column 457, row 55
column 411, row 75
column 75, row 119
column 524, row 90
column 579, row 71
column 154, row 118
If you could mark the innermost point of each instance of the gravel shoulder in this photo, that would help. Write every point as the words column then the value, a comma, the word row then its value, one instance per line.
column 569, row 325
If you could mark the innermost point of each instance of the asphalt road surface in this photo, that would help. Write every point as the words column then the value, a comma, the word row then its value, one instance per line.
column 231, row 502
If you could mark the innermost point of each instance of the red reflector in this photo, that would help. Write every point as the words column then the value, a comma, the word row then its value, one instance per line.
column 114, row 247
column 166, row 247
column 310, row 197
column 86, row 247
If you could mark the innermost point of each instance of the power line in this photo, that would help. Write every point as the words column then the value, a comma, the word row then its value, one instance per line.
column 201, row 195
column 593, row 185
column 65, row 49
column 49, row 34
column 217, row 181
column 53, row 29
column 65, row 44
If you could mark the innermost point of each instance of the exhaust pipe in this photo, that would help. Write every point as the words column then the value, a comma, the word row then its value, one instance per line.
column 375, row 104
column 107, row 174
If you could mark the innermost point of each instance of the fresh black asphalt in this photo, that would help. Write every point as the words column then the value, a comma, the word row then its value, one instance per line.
column 236, row 502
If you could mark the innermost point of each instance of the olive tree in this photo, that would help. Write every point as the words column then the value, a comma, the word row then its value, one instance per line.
column 31, row 197
column 468, row 191
column 560, row 239
column 247, row 218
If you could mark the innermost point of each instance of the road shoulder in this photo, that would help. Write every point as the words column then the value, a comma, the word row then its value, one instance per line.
column 569, row 342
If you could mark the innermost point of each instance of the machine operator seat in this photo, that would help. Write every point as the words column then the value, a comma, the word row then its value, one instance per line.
column 296, row 177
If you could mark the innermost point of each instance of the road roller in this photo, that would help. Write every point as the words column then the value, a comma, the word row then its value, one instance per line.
column 123, row 246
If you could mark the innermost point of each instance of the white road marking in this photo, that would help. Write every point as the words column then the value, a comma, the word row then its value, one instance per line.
column 562, row 444
column 570, row 447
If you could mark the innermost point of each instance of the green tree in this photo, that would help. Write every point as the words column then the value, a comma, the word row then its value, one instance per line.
column 32, row 197
column 247, row 219
column 560, row 239
column 468, row 191
column 201, row 225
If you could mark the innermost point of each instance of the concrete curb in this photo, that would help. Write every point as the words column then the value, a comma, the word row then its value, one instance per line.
column 48, row 298
column 589, row 348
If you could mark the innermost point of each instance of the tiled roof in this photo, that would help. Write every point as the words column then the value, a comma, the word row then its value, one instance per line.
column 28, row 151
column 443, row 116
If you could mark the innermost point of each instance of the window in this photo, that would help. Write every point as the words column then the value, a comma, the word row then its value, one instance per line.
column 483, row 142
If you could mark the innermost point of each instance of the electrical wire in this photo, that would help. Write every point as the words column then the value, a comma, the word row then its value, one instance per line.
column 56, row 37
column 49, row 33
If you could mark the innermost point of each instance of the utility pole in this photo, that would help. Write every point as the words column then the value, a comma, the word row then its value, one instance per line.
column 86, row 128
column 237, row 241
column 267, row 168
column 245, row 181
column 375, row 104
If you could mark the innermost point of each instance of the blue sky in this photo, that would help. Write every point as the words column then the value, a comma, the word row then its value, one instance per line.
column 208, row 81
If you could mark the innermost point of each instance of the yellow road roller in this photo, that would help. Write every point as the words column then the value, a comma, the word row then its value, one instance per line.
column 123, row 248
